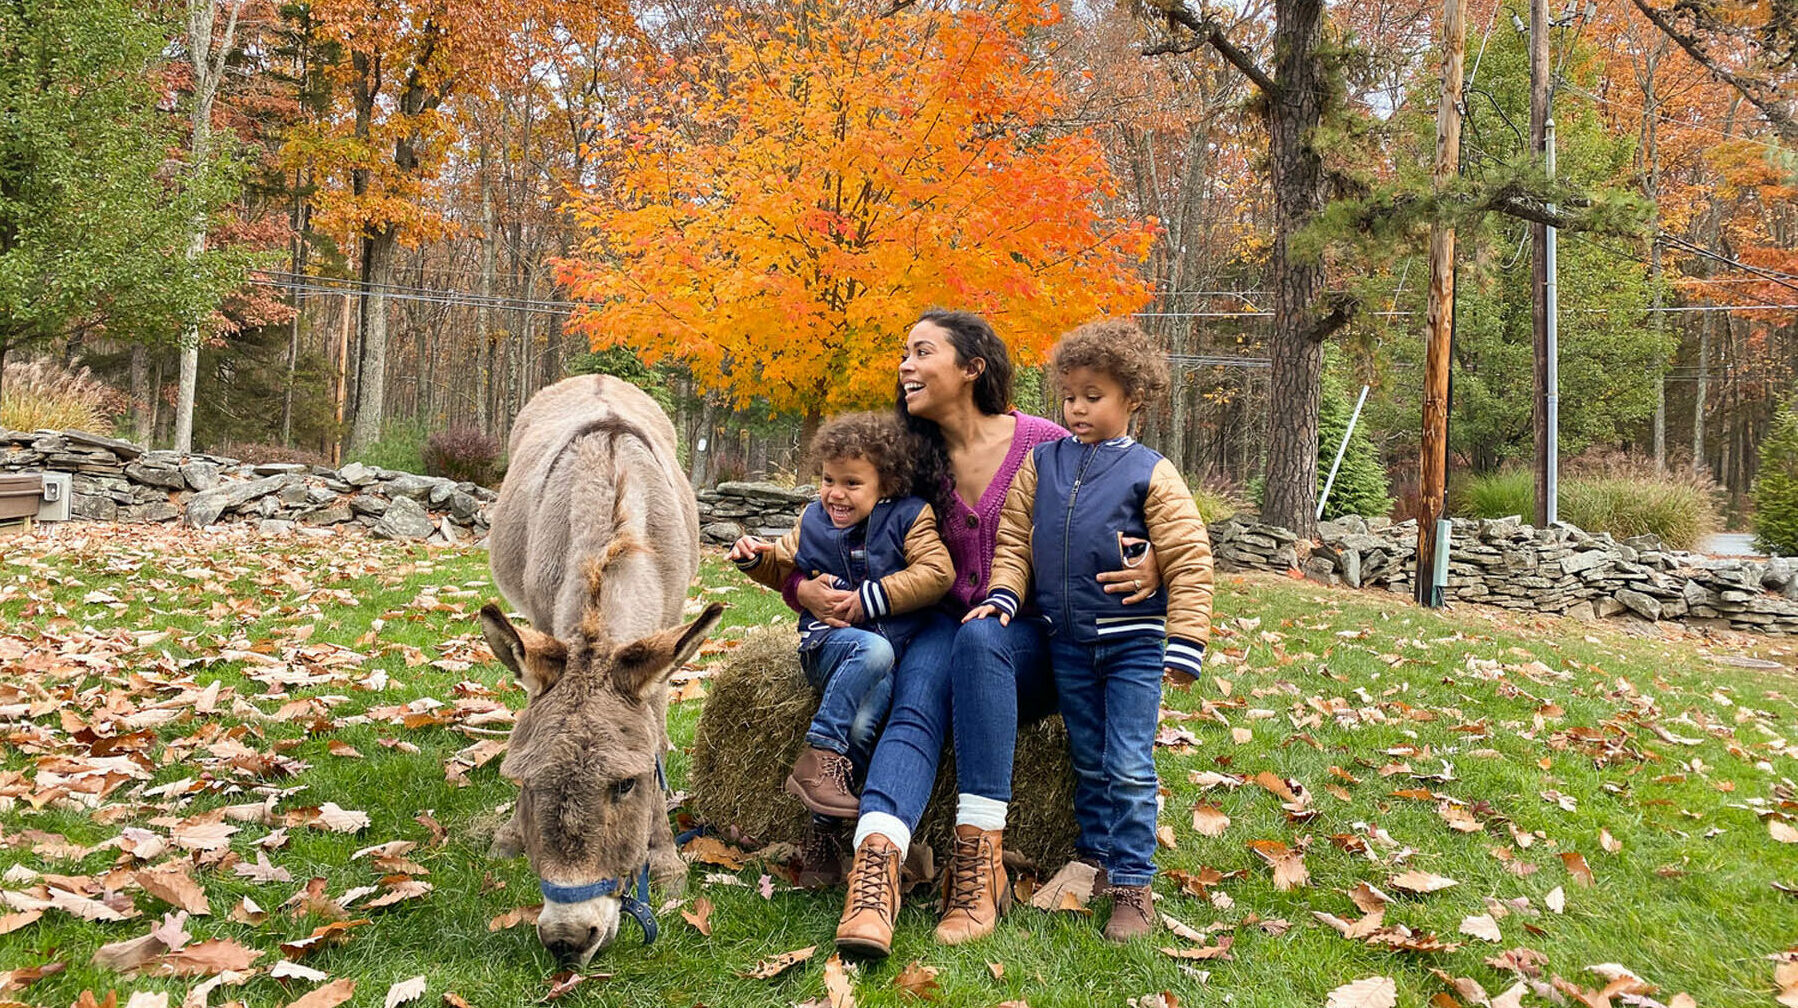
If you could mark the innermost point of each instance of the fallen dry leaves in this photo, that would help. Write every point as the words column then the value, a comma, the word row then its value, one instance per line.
column 772, row 967
column 1368, row 992
column 327, row 996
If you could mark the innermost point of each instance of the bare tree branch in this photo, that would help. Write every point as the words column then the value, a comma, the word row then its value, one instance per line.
column 1768, row 98
column 1210, row 31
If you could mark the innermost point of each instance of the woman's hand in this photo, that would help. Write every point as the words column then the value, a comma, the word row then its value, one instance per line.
column 1134, row 583
column 823, row 599
column 983, row 611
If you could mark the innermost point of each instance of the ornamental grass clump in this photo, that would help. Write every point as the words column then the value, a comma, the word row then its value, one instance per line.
column 1614, row 494
column 40, row 395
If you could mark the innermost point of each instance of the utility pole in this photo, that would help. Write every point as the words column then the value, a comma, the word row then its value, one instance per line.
column 1539, row 73
column 1551, row 295
column 1433, row 467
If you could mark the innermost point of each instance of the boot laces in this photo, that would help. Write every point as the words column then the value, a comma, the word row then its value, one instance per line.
column 967, row 866
column 838, row 770
column 869, row 884
column 1136, row 899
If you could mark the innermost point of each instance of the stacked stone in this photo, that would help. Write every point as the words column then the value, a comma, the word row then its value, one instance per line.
column 732, row 510
column 119, row 481
column 1561, row 569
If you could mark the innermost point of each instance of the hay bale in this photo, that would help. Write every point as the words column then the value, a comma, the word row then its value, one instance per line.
column 753, row 725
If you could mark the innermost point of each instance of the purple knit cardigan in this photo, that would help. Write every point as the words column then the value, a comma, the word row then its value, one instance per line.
column 972, row 533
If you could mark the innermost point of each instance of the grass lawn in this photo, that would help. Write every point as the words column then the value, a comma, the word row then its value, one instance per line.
column 249, row 714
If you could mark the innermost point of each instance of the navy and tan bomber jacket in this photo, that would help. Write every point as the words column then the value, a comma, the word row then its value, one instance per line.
column 1063, row 523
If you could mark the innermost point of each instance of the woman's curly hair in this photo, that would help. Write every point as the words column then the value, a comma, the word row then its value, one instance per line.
column 1114, row 347
column 879, row 439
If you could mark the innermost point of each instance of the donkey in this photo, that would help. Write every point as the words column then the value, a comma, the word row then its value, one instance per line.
column 595, row 538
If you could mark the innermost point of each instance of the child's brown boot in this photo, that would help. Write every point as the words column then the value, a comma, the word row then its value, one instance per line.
column 1132, row 913
column 820, row 780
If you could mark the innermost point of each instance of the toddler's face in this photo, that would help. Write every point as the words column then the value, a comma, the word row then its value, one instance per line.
column 1093, row 404
column 848, row 489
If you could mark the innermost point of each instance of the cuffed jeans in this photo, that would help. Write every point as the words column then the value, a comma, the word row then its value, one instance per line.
column 993, row 674
column 853, row 668
column 1111, row 702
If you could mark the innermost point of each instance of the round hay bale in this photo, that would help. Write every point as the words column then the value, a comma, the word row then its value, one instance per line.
column 752, row 728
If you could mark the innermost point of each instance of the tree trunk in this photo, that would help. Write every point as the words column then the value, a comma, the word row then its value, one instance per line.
column 1650, row 137
column 208, row 58
column 1704, row 361
column 1295, row 112
column 698, row 460
column 378, row 251
column 141, row 410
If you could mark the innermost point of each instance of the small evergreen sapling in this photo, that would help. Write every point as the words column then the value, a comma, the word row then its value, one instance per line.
column 1776, row 488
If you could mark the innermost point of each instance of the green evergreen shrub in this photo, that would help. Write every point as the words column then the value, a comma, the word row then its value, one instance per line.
column 1775, row 489
column 1361, row 486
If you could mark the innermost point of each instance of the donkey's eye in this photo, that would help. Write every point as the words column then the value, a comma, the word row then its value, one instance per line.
column 623, row 787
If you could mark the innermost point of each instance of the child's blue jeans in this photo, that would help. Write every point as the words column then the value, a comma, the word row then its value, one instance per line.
column 1111, row 702
column 853, row 668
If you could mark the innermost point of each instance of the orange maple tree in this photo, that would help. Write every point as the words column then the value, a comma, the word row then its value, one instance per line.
column 786, row 204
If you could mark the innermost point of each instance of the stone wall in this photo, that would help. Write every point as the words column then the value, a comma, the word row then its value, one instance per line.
column 1503, row 562
column 116, row 480
column 1560, row 569
column 732, row 510
column 1499, row 562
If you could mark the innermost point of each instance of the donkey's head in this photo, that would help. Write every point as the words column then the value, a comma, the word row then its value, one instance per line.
column 584, row 755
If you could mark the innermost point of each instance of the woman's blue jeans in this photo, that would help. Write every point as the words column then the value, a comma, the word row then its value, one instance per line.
column 974, row 680
column 1111, row 702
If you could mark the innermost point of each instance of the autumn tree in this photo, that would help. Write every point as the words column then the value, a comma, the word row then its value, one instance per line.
column 93, row 237
column 785, row 202
column 379, row 153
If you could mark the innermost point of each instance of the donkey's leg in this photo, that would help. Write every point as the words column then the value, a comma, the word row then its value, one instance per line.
column 509, row 841
column 666, row 865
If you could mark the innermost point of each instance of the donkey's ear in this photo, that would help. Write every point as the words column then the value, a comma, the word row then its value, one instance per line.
column 643, row 665
column 537, row 659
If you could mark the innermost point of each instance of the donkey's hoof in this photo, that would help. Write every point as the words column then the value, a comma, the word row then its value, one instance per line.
column 669, row 875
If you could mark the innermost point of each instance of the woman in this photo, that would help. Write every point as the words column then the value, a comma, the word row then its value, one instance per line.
column 955, row 393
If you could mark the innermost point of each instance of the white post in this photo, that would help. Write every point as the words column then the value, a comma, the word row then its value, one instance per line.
column 1341, row 450
column 1554, row 367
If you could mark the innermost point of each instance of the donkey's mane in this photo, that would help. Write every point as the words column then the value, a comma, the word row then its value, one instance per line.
column 593, row 617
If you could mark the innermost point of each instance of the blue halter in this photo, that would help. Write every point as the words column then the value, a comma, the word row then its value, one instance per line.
column 637, row 904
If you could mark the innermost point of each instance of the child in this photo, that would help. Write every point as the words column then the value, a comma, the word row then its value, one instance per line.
column 1072, row 507
column 886, row 551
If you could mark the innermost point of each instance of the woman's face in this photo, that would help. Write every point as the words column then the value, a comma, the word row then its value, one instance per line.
column 930, row 377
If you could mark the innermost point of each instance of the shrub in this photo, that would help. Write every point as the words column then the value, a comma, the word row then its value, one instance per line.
column 1217, row 500
column 1612, row 494
column 463, row 453
column 1775, row 490
column 41, row 394
column 400, row 447
column 1497, row 495
column 1361, row 486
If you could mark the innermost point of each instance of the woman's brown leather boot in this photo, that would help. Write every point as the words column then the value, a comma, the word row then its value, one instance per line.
column 866, row 927
column 975, row 888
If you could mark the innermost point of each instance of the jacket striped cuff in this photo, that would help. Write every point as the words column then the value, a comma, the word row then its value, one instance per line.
column 874, row 600
column 1004, row 600
column 1185, row 654
column 753, row 560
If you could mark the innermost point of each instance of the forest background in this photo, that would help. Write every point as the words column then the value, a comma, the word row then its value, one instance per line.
column 337, row 228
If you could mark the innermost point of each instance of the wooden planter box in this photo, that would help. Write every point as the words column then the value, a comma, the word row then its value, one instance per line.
column 20, row 494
